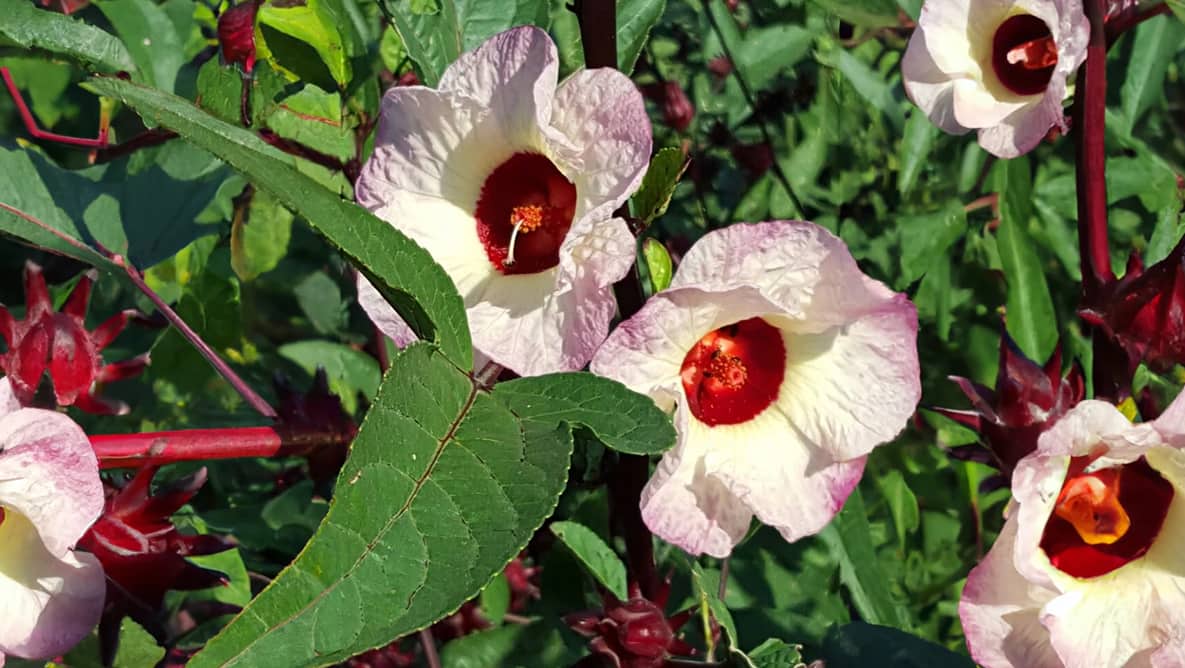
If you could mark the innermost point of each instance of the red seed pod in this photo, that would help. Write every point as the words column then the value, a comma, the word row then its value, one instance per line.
column 632, row 634
column 60, row 343
column 677, row 110
column 236, row 35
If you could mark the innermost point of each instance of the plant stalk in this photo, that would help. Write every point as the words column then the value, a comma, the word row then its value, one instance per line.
column 166, row 447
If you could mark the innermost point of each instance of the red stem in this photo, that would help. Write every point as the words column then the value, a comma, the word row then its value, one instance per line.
column 1090, row 111
column 1131, row 19
column 166, row 447
column 598, row 33
column 31, row 123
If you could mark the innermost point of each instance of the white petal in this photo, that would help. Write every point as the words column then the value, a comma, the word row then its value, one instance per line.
column 382, row 315
column 1000, row 610
column 1020, row 132
column 431, row 143
column 515, row 322
column 854, row 386
column 931, row 89
column 606, row 138
column 689, row 509
column 8, row 401
column 977, row 107
column 956, row 33
column 782, row 477
column 49, row 474
column 48, row 602
column 514, row 75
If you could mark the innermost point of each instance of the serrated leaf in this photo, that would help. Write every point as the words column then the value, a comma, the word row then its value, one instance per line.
column 658, row 264
column 27, row 27
column 597, row 557
column 1030, row 317
column 620, row 418
column 849, row 537
column 220, row 91
column 421, row 292
column 434, row 35
column 654, row 195
column 136, row 647
column 635, row 18
column 774, row 653
column 442, row 488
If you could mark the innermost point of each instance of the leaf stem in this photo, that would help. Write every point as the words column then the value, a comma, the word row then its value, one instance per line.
column 31, row 123
column 598, row 34
column 429, row 645
column 751, row 100
column 166, row 447
column 249, row 395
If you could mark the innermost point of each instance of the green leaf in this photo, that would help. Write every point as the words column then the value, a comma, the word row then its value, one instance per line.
column 436, row 33
column 774, row 653
column 850, row 538
column 622, row 419
column 320, row 299
column 597, row 557
column 403, row 272
column 350, row 371
column 869, row 84
column 220, row 91
column 514, row 646
column 858, row 645
column 658, row 262
column 919, row 138
column 442, row 488
column 635, row 18
column 495, row 599
column 865, row 13
column 706, row 589
column 311, row 22
column 903, row 505
column 1165, row 235
column 259, row 236
column 926, row 239
column 1154, row 44
column 136, row 647
column 654, row 195
column 27, row 27
column 1030, row 317
column 151, row 37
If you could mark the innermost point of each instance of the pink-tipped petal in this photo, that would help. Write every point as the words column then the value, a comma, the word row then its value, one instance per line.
column 48, row 601
column 49, row 474
column 8, row 400
column 606, row 138
column 514, row 75
column 929, row 87
column 1000, row 611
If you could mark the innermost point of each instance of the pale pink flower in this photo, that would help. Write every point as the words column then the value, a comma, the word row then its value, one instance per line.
column 50, row 493
column 510, row 181
column 997, row 66
column 1088, row 570
column 784, row 365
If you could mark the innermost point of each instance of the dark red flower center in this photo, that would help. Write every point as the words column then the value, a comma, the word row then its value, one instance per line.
column 523, row 214
column 733, row 373
column 1104, row 519
column 1024, row 54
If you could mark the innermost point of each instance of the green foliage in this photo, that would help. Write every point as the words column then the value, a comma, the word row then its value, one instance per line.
column 27, row 27
column 595, row 555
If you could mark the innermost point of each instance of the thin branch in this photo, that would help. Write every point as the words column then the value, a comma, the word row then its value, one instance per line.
column 31, row 123
column 429, row 645
column 723, row 588
column 751, row 100
column 1132, row 18
column 249, row 395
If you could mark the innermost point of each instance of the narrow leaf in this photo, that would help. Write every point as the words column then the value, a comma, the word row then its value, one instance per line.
column 857, row 645
column 654, row 196
column 919, row 138
column 1153, row 46
column 406, row 275
column 849, row 537
column 596, row 556
column 622, row 419
column 1030, row 317
column 658, row 262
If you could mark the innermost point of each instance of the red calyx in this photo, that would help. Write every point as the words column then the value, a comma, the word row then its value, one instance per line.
column 634, row 633
column 60, row 343
column 734, row 373
column 1143, row 314
column 1024, row 54
column 677, row 110
column 1145, row 497
column 526, row 185
column 143, row 554
column 316, row 417
column 236, row 35
column 1027, row 400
